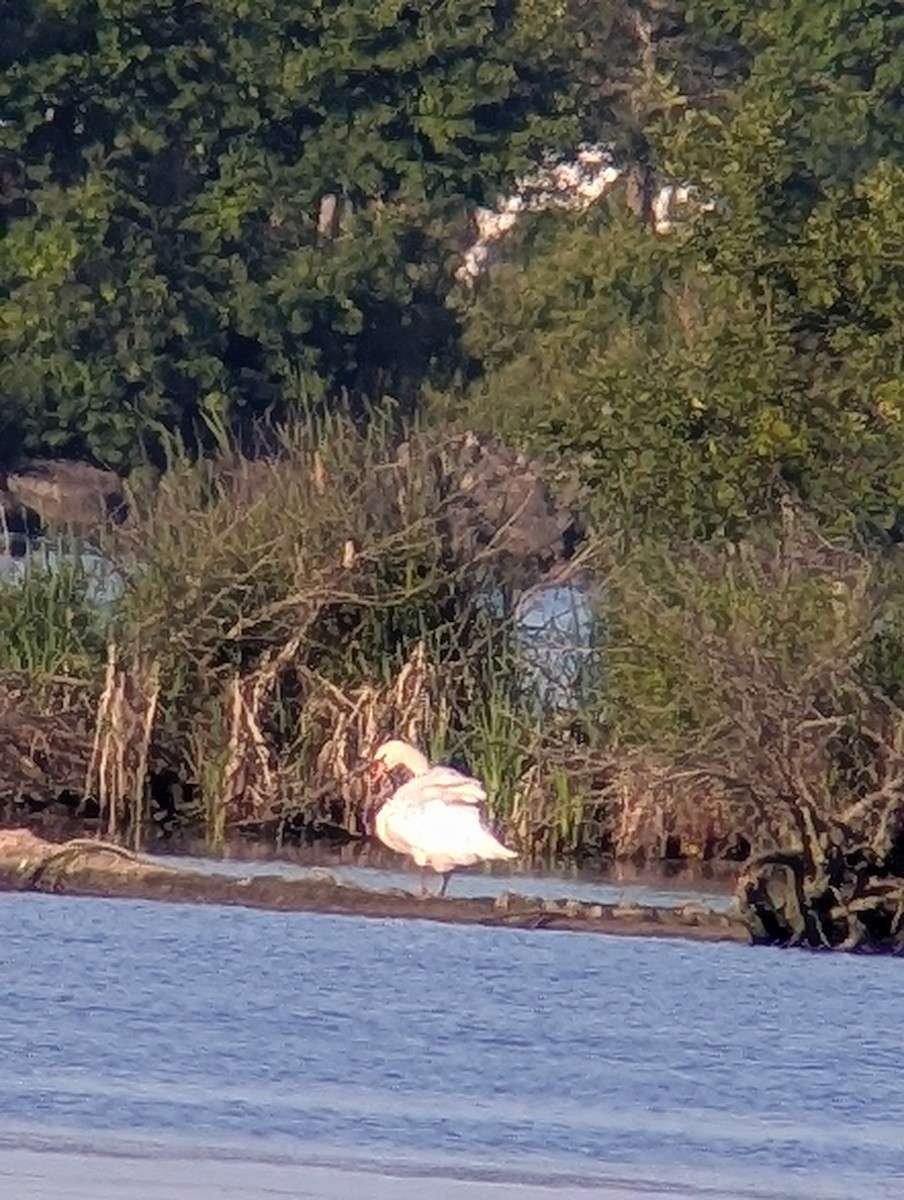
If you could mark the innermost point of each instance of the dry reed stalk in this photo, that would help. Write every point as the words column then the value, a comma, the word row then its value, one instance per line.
column 252, row 780
column 117, row 771
column 249, row 777
column 664, row 809
column 361, row 717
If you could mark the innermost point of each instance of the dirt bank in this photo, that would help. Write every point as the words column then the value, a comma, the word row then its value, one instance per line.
column 83, row 867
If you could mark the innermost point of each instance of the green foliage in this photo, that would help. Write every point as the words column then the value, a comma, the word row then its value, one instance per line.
column 175, row 162
column 724, row 637
column 213, row 214
column 691, row 379
column 642, row 63
column 50, row 625
column 882, row 665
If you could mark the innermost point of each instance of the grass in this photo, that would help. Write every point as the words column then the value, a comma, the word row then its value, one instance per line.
column 50, row 625
column 324, row 577
column 322, row 585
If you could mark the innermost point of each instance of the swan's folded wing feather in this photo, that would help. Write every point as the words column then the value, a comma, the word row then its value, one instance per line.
column 441, row 784
column 453, row 833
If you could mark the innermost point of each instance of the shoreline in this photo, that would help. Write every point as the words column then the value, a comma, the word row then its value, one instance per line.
column 86, row 868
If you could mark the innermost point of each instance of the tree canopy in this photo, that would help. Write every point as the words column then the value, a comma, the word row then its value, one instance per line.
column 209, row 214
column 694, row 377
column 217, row 209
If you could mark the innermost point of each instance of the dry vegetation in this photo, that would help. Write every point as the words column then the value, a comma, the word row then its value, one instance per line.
column 775, row 743
column 282, row 614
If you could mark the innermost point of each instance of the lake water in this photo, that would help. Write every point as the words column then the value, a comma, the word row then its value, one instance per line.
column 621, row 885
column 167, row 1051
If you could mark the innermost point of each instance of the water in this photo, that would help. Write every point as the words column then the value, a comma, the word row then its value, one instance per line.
column 649, row 888
column 18, row 556
column 154, row 1051
column 556, row 631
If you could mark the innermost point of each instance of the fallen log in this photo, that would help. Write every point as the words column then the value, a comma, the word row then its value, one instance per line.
column 85, row 867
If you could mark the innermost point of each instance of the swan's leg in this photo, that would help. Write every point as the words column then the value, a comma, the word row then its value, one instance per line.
column 423, row 889
column 447, row 875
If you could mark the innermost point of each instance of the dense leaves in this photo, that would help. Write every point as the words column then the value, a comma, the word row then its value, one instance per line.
column 693, row 378
column 209, row 214
column 211, row 209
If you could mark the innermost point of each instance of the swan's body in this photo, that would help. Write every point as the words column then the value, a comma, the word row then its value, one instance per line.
column 434, row 817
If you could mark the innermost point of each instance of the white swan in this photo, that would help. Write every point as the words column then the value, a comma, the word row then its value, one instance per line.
column 434, row 815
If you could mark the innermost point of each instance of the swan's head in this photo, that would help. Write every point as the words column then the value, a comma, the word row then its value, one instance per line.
column 396, row 753
column 392, row 764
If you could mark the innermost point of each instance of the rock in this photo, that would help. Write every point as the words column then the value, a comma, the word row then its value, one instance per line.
column 64, row 494
column 497, row 497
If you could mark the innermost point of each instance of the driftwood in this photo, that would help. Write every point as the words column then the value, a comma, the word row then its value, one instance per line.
column 837, row 881
column 838, row 892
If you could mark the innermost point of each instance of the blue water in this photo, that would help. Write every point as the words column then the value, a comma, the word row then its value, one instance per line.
column 556, row 630
column 152, row 1051
column 588, row 886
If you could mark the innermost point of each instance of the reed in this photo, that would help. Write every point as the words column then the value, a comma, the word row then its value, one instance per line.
column 281, row 614
column 302, row 606
column 50, row 627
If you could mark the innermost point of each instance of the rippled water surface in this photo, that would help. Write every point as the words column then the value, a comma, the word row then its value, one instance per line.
column 166, row 1051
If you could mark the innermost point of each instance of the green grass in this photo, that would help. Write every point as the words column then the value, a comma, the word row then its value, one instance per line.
column 50, row 627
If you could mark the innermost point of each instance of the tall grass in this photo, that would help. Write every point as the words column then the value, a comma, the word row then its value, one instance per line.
column 319, row 575
column 304, row 605
column 51, row 625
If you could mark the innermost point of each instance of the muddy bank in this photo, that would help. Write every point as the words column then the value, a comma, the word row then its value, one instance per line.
column 83, row 867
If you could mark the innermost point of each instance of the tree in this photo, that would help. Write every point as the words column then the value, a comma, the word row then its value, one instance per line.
column 243, row 207
column 692, row 379
column 641, row 64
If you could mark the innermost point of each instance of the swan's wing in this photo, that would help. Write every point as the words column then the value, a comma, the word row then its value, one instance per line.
column 446, row 833
column 443, row 784
column 436, row 818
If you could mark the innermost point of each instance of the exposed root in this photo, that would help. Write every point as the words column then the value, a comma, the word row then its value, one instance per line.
column 836, row 893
